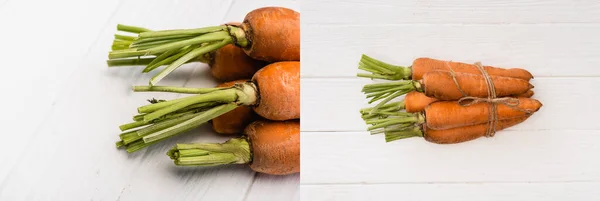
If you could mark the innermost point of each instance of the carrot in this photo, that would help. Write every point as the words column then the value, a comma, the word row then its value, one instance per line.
column 271, row 147
column 273, row 93
column 422, row 66
column 441, row 85
column 268, row 34
column 417, row 101
column 453, row 135
column 235, row 121
column 443, row 115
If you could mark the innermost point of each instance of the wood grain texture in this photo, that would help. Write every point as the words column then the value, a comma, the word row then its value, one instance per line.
column 545, row 50
column 510, row 156
column 66, row 150
column 333, row 104
column 459, row 191
column 263, row 188
column 439, row 11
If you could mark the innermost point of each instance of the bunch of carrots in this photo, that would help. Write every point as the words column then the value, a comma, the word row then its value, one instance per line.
column 258, row 64
column 445, row 102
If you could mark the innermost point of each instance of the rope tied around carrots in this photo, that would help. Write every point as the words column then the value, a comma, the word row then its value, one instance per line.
column 491, row 98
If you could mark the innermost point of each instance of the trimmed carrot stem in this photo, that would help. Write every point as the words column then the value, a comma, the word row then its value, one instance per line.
column 163, row 119
column 233, row 151
column 382, row 70
column 171, row 47
column 184, row 90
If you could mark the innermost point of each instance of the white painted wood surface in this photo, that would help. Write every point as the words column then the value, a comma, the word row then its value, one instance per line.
column 62, row 106
column 554, row 155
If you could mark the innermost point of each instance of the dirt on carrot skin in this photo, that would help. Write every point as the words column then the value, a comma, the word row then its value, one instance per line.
column 233, row 122
column 279, row 89
column 466, row 133
column 275, row 146
column 421, row 66
column 274, row 34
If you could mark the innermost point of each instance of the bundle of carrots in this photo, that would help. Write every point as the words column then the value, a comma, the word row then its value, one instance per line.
column 445, row 102
column 258, row 64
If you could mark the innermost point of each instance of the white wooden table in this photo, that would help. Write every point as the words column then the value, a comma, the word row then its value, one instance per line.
column 62, row 106
column 555, row 155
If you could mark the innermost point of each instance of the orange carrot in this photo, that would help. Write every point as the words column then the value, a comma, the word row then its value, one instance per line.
column 449, row 114
column 235, row 121
column 453, row 135
column 422, row 66
column 273, row 93
column 417, row 101
column 443, row 115
column 268, row 34
column 231, row 63
column 271, row 147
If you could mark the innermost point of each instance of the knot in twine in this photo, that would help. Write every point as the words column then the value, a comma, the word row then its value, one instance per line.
column 492, row 98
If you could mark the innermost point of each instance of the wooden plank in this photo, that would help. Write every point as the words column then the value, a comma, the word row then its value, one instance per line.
column 42, row 46
column 333, row 104
column 439, row 11
column 510, row 156
column 545, row 50
column 465, row 192
column 273, row 187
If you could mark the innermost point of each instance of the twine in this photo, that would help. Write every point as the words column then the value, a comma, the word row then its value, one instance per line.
column 492, row 99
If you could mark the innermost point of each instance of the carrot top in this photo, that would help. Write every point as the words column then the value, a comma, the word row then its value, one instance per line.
column 163, row 119
column 172, row 47
column 389, row 90
column 233, row 151
column 381, row 70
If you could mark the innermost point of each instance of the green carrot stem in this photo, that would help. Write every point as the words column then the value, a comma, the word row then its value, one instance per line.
column 184, row 90
column 132, row 125
column 165, row 124
column 170, row 59
column 399, row 105
column 223, row 96
column 128, row 62
column 382, row 70
column 132, row 52
column 124, row 37
column 407, row 133
column 138, row 145
column 210, row 37
column 191, row 55
column 191, row 123
column 156, row 106
column 164, row 38
column 154, row 44
column 385, row 91
column 197, row 31
column 121, row 42
column 393, row 121
column 165, row 55
column 131, row 29
column 233, row 151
